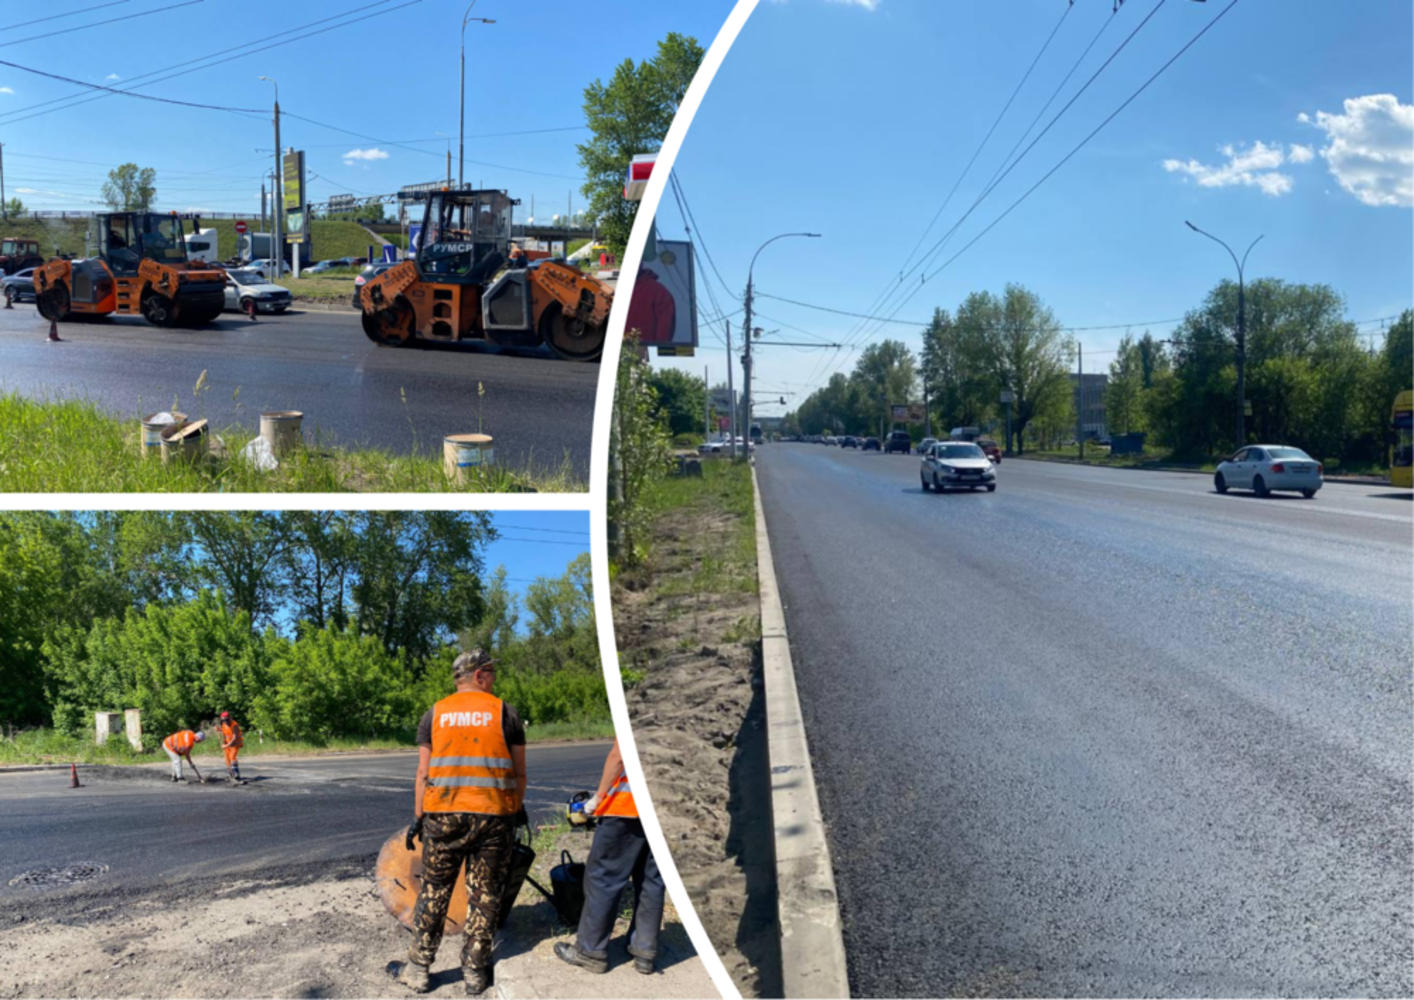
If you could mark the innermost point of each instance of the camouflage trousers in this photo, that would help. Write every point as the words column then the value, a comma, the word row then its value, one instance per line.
column 485, row 844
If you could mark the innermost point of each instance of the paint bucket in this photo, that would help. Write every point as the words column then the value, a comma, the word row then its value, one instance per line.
column 466, row 451
column 281, row 430
column 151, row 441
column 184, row 442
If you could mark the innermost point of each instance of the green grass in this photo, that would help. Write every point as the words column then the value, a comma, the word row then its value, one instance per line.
column 331, row 286
column 48, row 746
column 724, row 488
column 72, row 446
column 330, row 239
column 63, row 235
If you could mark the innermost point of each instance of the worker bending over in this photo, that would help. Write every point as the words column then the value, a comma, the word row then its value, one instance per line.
column 468, row 800
column 620, row 854
column 232, row 739
column 179, row 746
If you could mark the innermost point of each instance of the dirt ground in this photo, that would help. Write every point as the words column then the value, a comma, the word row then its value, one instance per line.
column 311, row 931
column 690, row 621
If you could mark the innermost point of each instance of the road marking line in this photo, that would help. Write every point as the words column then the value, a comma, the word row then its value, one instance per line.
column 812, row 943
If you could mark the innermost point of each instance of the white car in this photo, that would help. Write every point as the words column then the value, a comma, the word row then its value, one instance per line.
column 957, row 465
column 245, row 285
column 1263, row 468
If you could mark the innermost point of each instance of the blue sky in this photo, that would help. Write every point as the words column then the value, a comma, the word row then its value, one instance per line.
column 854, row 118
column 393, row 76
column 536, row 543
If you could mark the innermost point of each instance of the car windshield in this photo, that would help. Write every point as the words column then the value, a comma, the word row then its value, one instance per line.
column 1296, row 453
column 959, row 451
column 244, row 276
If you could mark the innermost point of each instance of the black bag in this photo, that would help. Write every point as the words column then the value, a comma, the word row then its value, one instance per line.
column 522, row 858
column 567, row 887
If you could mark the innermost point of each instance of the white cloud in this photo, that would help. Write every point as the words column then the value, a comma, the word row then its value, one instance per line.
column 26, row 191
column 364, row 155
column 7, row 90
column 863, row 4
column 112, row 76
column 1370, row 148
column 1256, row 166
column 1300, row 154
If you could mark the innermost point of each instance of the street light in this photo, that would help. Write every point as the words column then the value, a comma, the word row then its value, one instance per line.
column 461, row 127
column 279, row 205
column 1241, row 437
column 748, row 328
column 444, row 135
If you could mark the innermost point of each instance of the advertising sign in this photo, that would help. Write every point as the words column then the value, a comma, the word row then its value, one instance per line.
column 664, row 305
column 296, row 207
column 907, row 413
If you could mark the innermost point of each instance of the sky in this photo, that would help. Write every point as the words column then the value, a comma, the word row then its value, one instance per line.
column 536, row 544
column 390, row 74
column 1288, row 119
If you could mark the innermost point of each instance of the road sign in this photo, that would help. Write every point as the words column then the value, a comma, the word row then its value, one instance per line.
column 241, row 227
column 906, row 413
column 1008, row 396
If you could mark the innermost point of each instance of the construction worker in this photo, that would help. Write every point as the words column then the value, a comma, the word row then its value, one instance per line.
column 468, row 799
column 179, row 745
column 232, row 739
column 619, row 855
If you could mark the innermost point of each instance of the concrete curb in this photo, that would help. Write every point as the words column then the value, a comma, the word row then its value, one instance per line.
column 1349, row 480
column 807, row 905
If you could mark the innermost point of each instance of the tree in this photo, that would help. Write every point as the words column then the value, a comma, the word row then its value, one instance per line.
column 959, row 389
column 630, row 115
column 682, row 400
column 640, row 451
column 130, row 188
column 1124, row 391
column 883, row 375
column 14, row 207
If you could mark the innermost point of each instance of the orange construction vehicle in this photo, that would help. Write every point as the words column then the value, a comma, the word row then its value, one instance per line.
column 141, row 269
column 465, row 283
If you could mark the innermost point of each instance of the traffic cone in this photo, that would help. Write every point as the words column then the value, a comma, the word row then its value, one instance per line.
column 74, row 776
column 53, row 337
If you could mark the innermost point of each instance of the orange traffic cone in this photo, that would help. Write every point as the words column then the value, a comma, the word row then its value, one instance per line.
column 74, row 776
column 54, row 337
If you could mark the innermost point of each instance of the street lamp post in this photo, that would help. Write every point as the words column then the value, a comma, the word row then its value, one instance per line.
column 748, row 330
column 1241, row 437
column 461, row 129
column 277, row 202
column 444, row 135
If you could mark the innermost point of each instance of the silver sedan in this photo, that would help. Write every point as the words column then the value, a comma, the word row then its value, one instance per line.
column 1263, row 468
column 957, row 465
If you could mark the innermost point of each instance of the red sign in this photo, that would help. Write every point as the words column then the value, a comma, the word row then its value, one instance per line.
column 241, row 227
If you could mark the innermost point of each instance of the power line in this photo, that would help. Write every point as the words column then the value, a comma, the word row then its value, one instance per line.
column 125, row 93
column 526, row 527
column 99, row 24
column 543, row 541
column 55, row 17
column 914, row 322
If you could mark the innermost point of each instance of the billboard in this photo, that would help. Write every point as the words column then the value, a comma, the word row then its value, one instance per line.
column 296, row 207
column 664, row 305
column 906, row 413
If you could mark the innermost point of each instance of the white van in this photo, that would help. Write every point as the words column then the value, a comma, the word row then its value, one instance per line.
column 202, row 246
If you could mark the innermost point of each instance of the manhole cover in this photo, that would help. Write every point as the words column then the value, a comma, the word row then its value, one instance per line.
column 53, row 878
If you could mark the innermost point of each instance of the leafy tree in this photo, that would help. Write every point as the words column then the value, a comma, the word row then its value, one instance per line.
column 630, row 115
column 130, row 188
column 640, row 452
column 682, row 400
column 883, row 375
column 14, row 207
column 1124, row 390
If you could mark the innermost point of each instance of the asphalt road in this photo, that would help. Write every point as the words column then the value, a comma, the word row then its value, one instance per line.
column 352, row 392
column 293, row 813
column 1104, row 732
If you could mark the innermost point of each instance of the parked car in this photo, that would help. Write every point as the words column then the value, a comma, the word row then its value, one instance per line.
column 830, row 439
column 245, row 285
column 19, row 286
column 870, row 444
column 371, row 271
column 263, row 266
column 992, row 450
column 956, row 465
column 849, row 441
column 1263, row 468
column 898, row 441
column 321, row 267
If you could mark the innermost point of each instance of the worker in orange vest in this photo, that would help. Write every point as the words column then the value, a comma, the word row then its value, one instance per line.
column 619, row 855
column 468, row 799
column 232, row 739
column 178, row 746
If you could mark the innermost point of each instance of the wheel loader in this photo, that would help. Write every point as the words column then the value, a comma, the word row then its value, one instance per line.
column 466, row 283
column 141, row 269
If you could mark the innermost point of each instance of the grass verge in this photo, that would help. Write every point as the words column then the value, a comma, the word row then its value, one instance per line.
column 48, row 746
column 72, row 446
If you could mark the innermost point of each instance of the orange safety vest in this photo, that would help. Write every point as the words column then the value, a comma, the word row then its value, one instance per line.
column 471, row 770
column 231, row 733
column 180, row 742
column 619, row 801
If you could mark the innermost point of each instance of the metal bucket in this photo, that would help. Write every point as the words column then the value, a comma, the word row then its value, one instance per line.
column 281, row 430
column 461, row 452
column 151, row 441
column 185, row 442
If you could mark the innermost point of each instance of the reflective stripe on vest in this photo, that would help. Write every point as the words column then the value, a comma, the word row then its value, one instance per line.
column 471, row 769
column 180, row 742
column 619, row 801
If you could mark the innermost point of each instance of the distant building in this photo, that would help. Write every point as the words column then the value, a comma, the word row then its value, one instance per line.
column 1089, row 397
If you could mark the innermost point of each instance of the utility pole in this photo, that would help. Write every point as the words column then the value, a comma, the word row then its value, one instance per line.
column 277, row 206
column 706, row 406
column 731, row 389
column 461, row 128
column 750, row 289
column 262, row 204
column 927, row 415
column 1240, row 437
column 4, row 205
column 1080, row 398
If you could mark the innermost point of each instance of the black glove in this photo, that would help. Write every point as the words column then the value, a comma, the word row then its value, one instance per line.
column 521, row 819
column 414, row 833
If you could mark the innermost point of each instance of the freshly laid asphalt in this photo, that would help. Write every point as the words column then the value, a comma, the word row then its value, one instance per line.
column 352, row 392
column 1104, row 732
column 294, row 814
